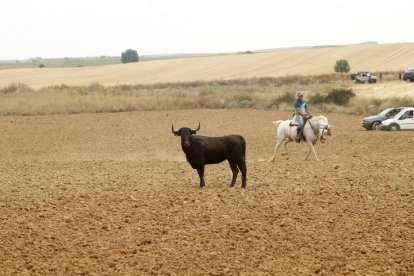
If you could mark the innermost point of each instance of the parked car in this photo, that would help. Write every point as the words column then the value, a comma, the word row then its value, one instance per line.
column 353, row 75
column 409, row 75
column 402, row 121
column 365, row 77
column 373, row 122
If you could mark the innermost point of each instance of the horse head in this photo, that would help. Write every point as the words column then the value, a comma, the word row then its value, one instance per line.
column 324, row 127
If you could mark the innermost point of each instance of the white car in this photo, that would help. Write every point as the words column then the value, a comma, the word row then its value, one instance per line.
column 364, row 77
column 402, row 121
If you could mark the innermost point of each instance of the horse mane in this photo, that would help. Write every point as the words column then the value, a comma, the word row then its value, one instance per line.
column 317, row 119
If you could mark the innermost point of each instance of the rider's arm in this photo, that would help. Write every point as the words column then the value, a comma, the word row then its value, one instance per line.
column 298, row 111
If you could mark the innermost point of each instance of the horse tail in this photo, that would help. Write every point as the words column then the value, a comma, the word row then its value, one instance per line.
column 276, row 123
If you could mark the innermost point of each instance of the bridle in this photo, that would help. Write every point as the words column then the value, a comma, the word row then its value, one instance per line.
column 320, row 137
column 326, row 127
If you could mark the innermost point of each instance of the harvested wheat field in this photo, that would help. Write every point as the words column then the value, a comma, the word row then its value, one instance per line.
column 112, row 194
column 283, row 62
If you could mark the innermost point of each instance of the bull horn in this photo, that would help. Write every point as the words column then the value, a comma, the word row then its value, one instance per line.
column 172, row 127
column 198, row 127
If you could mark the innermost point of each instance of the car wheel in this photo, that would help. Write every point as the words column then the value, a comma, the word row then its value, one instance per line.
column 375, row 125
column 394, row 127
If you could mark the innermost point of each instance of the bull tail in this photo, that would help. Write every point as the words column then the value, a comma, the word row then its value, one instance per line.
column 244, row 150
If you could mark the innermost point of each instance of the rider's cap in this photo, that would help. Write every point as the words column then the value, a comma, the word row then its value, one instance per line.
column 300, row 93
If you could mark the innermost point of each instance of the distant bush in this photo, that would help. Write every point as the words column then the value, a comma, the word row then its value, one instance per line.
column 342, row 66
column 41, row 65
column 287, row 97
column 129, row 56
column 244, row 100
column 95, row 87
column 9, row 89
column 317, row 99
column 15, row 88
column 338, row 96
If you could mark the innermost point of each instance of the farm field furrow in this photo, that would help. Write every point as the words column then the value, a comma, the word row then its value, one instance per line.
column 107, row 194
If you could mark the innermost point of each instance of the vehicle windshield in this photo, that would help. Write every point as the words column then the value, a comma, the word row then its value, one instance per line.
column 384, row 112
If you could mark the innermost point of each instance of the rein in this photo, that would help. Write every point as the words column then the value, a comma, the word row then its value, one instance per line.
column 321, row 138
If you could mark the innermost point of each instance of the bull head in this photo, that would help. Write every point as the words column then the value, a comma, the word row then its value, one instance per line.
column 178, row 133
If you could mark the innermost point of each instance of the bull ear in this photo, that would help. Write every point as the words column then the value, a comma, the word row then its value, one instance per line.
column 193, row 132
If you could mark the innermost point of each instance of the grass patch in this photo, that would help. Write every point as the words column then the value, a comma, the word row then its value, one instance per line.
column 324, row 93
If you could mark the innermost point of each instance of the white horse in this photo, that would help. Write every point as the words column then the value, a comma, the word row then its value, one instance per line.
column 315, row 129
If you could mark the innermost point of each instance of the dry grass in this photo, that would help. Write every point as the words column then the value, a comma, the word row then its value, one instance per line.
column 257, row 93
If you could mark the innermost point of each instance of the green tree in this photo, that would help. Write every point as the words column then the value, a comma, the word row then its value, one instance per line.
column 129, row 56
column 342, row 66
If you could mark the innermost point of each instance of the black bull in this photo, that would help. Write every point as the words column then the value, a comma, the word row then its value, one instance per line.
column 202, row 150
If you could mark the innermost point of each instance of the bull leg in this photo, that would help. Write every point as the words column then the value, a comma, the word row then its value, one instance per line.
column 235, row 171
column 200, row 171
column 243, row 169
column 277, row 146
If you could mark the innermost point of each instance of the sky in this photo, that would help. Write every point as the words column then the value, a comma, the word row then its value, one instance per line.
column 81, row 28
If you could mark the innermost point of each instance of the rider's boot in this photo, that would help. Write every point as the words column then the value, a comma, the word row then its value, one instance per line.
column 298, row 134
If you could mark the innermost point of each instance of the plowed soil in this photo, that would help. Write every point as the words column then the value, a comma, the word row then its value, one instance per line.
column 112, row 194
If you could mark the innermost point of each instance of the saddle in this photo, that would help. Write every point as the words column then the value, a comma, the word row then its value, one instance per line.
column 293, row 123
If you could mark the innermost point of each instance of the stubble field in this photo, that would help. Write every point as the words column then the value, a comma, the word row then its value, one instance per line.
column 112, row 194
column 276, row 63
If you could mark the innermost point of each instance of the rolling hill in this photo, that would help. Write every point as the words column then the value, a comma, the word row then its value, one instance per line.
column 305, row 61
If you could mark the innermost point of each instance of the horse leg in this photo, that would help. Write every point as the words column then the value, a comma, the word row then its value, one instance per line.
column 235, row 171
column 287, row 142
column 276, row 148
column 314, row 151
column 311, row 148
column 200, row 171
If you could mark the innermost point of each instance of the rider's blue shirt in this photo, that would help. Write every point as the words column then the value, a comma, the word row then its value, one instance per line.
column 301, row 104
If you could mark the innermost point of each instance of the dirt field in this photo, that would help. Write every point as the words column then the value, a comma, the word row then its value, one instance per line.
column 112, row 194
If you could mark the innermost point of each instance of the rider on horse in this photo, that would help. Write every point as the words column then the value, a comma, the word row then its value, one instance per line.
column 301, row 114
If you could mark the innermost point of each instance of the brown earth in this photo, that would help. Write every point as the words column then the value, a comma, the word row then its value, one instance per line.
column 112, row 194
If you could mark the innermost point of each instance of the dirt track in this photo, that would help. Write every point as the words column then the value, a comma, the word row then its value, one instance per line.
column 107, row 194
